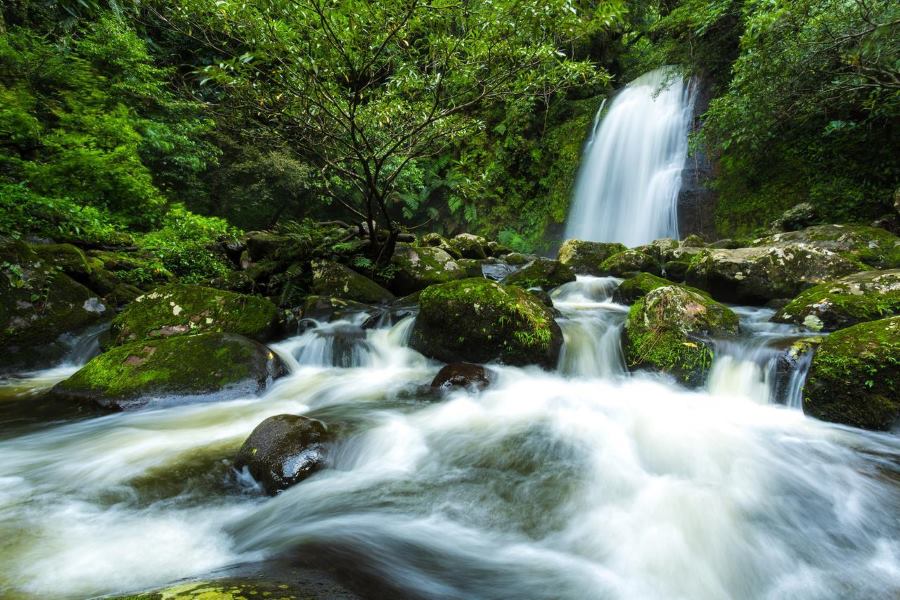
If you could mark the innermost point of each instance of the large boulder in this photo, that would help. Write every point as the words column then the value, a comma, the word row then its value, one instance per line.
column 636, row 287
column 855, row 376
column 846, row 301
column 586, row 257
column 284, row 450
column 629, row 262
column 334, row 279
column 758, row 275
column 477, row 320
column 39, row 303
column 543, row 273
column 870, row 245
column 669, row 329
column 185, row 309
column 436, row 240
column 179, row 368
column 417, row 267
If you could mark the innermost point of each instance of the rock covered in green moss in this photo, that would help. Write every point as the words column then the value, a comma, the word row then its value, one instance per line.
column 334, row 279
column 855, row 376
column 180, row 309
column 309, row 586
column 760, row 274
column 629, row 262
column 544, row 273
column 284, row 450
column 517, row 259
column 797, row 217
column 417, row 267
column 693, row 241
column 477, row 320
column 869, row 245
column 263, row 245
column 436, row 240
column 136, row 374
column 470, row 246
column 471, row 266
column 636, row 287
column 668, row 331
column 39, row 302
column 846, row 301
column 586, row 257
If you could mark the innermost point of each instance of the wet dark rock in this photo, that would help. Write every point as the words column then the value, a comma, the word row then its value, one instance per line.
column 284, row 450
column 461, row 375
column 544, row 273
column 265, row 244
column 173, row 370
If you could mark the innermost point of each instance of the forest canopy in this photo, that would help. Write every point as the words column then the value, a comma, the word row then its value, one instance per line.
column 138, row 117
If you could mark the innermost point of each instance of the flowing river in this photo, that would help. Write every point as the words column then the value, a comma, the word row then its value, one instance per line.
column 584, row 483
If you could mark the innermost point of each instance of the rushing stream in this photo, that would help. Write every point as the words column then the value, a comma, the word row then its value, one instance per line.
column 578, row 484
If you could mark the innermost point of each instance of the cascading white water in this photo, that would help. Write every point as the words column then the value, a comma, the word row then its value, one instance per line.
column 585, row 485
column 630, row 175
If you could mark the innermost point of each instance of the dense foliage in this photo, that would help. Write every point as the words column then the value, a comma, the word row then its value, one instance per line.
column 119, row 119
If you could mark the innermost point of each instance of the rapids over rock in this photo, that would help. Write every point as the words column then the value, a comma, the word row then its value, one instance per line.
column 577, row 483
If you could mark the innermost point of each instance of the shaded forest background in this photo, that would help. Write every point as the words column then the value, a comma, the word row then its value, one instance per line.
column 175, row 124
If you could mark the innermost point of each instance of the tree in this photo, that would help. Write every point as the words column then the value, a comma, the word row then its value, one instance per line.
column 364, row 89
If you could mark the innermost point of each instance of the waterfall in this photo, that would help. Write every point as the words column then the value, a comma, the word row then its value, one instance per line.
column 627, row 187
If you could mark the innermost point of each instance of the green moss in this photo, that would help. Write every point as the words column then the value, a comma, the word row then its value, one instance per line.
column 541, row 273
column 229, row 589
column 638, row 286
column 629, row 262
column 182, row 309
column 667, row 329
column 853, row 299
column 185, row 365
column 587, row 257
column 479, row 320
column 855, row 376
column 334, row 279
column 869, row 246
column 417, row 267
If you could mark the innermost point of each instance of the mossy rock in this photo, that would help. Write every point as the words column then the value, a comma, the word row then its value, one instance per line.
column 872, row 246
column 132, row 268
column 326, row 308
column 693, row 241
column 417, row 267
column 586, row 258
column 544, row 273
column 758, row 275
column 470, row 246
column 284, row 450
column 668, row 331
column 853, row 299
column 797, row 217
column 436, row 240
column 131, row 376
column 855, row 376
column 661, row 249
column 334, row 279
column 262, row 245
column 181, row 309
column 517, row 259
column 629, row 262
column 246, row 589
column 39, row 303
column 477, row 320
column 636, row 287
column 471, row 266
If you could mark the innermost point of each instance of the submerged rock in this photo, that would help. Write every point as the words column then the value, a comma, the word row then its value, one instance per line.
column 625, row 264
column 284, row 450
column 855, row 376
column 185, row 309
column 586, row 257
column 669, row 329
column 758, row 275
column 543, row 273
column 869, row 245
column 476, row 320
column 846, row 301
column 136, row 374
column 39, row 303
column 420, row 266
column 461, row 375
column 334, row 279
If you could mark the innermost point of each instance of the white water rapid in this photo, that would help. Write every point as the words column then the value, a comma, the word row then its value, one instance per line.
column 580, row 484
column 630, row 175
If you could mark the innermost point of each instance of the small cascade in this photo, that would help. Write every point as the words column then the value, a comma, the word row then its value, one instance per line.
column 591, row 327
column 630, row 176
column 757, row 367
